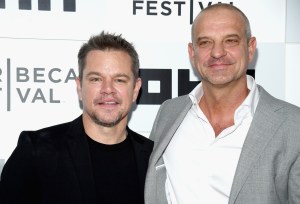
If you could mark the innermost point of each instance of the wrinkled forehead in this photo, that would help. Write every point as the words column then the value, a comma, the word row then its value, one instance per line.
column 217, row 16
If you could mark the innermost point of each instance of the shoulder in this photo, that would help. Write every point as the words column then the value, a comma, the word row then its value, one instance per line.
column 172, row 108
column 175, row 105
column 139, row 138
column 286, row 116
column 283, row 108
column 51, row 133
column 178, row 101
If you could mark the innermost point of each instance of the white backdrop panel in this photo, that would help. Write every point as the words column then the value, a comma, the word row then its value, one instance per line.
column 292, row 21
column 45, row 44
column 292, row 73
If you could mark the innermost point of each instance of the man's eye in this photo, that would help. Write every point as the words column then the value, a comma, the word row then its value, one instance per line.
column 204, row 43
column 94, row 79
column 232, row 42
column 120, row 80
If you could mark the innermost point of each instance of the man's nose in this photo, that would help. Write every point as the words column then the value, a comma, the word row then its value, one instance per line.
column 218, row 50
column 107, row 86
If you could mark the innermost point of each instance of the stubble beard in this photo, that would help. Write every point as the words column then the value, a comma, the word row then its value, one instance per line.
column 106, row 123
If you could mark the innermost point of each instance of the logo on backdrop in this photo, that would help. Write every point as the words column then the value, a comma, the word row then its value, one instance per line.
column 169, row 8
column 16, row 80
column 68, row 5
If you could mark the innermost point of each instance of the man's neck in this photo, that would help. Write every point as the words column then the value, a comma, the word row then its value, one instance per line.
column 106, row 135
column 219, row 105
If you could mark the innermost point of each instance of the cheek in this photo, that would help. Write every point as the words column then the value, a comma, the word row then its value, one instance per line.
column 88, row 94
column 243, row 58
column 201, row 59
column 127, row 95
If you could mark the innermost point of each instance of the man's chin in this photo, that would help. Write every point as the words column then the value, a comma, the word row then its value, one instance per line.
column 107, row 123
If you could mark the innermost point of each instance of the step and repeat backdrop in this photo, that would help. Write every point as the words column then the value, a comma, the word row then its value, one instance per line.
column 39, row 41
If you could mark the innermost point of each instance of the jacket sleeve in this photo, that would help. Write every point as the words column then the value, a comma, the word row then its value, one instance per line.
column 294, row 183
column 18, row 183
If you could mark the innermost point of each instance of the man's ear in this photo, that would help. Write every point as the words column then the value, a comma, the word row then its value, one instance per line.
column 191, row 53
column 136, row 89
column 251, row 48
column 79, row 89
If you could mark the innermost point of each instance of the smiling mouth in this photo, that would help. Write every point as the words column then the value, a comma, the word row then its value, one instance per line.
column 109, row 103
column 219, row 63
column 218, row 66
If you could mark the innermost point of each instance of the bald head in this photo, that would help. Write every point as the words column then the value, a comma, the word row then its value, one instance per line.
column 218, row 8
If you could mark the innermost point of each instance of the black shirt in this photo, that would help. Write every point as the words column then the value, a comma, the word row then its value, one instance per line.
column 115, row 172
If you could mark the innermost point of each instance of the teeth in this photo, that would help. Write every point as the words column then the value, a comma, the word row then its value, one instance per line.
column 110, row 103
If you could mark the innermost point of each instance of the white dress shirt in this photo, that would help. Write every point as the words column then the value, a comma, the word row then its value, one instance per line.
column 200, row 167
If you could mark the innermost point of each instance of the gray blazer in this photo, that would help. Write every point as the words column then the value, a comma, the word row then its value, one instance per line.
column 268, row 170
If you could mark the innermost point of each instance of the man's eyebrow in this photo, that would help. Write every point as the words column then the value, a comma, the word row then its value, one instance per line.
column 233, row 35
column 201, row 38
column 198, row 39
column 93, row 73
column 122, row 75
column 99, row 74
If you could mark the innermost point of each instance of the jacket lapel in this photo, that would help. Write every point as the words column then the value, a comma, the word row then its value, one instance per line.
column 142, row 152
column 175, row 117
column 79, row 152
column 264, row 125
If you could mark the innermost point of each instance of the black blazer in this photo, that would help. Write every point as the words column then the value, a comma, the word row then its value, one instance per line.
column 53, row 165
